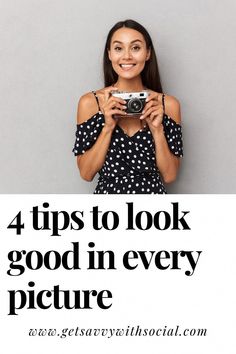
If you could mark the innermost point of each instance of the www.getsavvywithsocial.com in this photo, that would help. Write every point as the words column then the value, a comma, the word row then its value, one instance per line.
column 129, row 331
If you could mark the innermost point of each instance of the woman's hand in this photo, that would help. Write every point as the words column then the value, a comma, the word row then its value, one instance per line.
column 153, row 111
column 111, row 106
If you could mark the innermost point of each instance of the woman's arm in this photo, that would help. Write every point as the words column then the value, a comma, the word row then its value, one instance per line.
column 167, row 163
column 93, row 159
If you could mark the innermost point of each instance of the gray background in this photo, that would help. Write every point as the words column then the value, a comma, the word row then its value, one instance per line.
column 51, row 53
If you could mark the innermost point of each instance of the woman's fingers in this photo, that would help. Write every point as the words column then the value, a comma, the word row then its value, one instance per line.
column 150, row 104
column 154, row 115
column 155, row 110
column 114, row 108
column 114, row 104
column 108, row 90
column 153, row 100
column 118, row 112
column 153, row 96
column 117, row 99
column 113, row 101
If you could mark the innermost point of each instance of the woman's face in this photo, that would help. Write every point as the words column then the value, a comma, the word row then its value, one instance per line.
column 128, row 53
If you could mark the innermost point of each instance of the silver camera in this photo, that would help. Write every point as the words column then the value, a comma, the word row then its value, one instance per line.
column 135, row 101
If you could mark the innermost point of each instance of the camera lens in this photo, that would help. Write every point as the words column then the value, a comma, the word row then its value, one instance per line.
column 135, row 105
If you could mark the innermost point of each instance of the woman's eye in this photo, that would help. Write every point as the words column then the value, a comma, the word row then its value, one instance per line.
column 117, row 49
column 136, row 48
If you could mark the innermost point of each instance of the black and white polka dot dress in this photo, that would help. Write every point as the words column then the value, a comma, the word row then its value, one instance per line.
column 130, row 163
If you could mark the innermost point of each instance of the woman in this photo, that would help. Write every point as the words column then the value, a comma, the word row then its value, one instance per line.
column 132, row 154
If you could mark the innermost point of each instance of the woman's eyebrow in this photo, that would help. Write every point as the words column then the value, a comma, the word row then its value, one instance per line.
column 135, row 40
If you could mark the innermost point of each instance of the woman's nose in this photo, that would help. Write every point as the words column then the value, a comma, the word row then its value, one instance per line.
column 127, row 54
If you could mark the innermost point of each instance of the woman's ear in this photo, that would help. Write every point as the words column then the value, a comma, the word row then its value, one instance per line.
column 109, row 54
column 148, row 54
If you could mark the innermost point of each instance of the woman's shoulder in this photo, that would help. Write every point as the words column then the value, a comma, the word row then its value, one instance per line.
column 89, row 97
column 172, row 108
column 87, row 106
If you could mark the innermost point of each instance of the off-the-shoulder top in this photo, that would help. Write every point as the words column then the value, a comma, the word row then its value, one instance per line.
column 130, row 163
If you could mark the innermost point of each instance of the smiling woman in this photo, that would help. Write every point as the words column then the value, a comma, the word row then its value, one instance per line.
column 127, row 55
column 129, row 132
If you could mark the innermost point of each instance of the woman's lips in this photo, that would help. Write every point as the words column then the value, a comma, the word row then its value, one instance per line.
column 127, row 67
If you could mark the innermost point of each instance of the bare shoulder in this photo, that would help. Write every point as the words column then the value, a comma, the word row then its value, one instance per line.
column 87, row 107
column 172, row 108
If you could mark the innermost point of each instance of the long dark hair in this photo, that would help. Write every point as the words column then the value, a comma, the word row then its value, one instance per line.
column 150, row 74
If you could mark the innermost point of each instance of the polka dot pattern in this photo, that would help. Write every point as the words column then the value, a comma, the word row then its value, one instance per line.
column 130, row 163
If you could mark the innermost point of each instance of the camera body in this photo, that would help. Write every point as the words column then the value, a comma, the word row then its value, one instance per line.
column 135, row 101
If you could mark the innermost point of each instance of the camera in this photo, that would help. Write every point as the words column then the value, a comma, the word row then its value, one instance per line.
column 135, row 101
